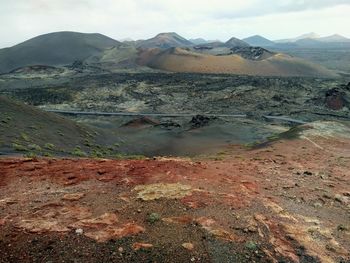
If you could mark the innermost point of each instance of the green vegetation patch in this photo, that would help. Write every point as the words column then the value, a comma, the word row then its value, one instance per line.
column 77, row 151
column 34, row 147
column 49, row 146
column 153, row 218
column 19, row 147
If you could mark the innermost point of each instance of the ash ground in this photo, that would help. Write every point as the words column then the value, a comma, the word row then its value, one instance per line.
column 304, row 98
column 84, row 89
column 240, row 190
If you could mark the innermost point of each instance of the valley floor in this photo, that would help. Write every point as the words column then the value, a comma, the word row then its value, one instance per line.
column 287, row 201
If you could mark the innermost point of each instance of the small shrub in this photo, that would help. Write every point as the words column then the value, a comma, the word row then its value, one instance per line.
column 19, row 147
column 25, row 137
column 34, row 147
column 30, row 155
column 129, row 157
column 96, row 154
column 153, row 217
column 88, row 143
column 78, row 152
column 49, row 146
column 46, row 154
column 251, row 245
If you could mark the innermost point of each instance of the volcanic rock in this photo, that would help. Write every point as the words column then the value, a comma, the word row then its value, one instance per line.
column 142, row 121
column 335, row 99
column 200, row 121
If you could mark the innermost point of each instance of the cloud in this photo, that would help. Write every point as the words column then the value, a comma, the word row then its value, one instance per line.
column 219, row 19
column 262, row 8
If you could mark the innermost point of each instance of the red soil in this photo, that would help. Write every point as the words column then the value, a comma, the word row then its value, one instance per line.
column 287, row 201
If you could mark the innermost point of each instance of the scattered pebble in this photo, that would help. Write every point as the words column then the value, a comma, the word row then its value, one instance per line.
column 138, row 246
column 188, row 246
column 79, row 231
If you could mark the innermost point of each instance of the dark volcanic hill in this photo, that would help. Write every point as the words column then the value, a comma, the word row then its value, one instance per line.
column 231, row 43
column 235, row 42
column 165, row 40
column 258, row 41
column 54, row 49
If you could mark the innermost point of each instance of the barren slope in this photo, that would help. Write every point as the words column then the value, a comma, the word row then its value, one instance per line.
column 181, row 60
column 286, row 202
column 26, row 129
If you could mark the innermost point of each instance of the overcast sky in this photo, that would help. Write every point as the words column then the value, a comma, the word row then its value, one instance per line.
column 140, row 19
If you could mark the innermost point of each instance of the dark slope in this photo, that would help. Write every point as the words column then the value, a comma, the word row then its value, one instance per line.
column 231, row 43
column 235, row 42
column 54, row 49
column 25, row 129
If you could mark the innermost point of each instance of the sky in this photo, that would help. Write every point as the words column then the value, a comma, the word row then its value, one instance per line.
column 141, row 19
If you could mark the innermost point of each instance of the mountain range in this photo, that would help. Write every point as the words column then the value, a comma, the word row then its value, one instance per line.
column 336, row 38
column 166, row 51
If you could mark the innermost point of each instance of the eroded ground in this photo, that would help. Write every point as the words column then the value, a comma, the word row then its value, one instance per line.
column 288, row 201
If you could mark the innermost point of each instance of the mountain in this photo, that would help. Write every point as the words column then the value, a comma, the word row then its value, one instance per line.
column 258, row 41
column 314, row 40
column 54, row 49
column 235, row 42
column 231, row 43
column 186, row 60
column 304, row 36
column 334, row 39
column 164, row 40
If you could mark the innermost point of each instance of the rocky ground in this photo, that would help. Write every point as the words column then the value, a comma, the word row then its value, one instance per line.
column 286, row 201
column 308, row 99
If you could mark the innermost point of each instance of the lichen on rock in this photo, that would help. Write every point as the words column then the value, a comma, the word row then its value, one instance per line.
column 157, row 191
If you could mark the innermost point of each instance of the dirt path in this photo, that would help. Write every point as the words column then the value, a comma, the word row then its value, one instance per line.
column 286, row 202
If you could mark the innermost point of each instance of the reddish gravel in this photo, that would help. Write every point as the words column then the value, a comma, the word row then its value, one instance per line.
column 285, row 202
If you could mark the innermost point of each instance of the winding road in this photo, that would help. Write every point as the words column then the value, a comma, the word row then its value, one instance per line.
column 171, row 115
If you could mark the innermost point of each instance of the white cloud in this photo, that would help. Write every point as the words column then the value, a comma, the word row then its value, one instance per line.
column 219, row 19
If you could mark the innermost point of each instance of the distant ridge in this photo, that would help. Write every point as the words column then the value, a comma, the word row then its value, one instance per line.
column 336, row 38
column 54, row 49
column 311, row 35
column 258, row 41
column 166, row 51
